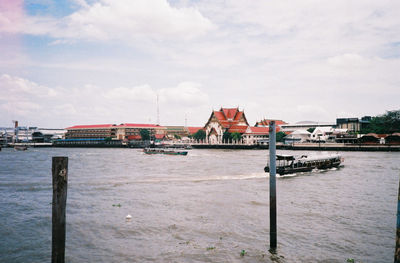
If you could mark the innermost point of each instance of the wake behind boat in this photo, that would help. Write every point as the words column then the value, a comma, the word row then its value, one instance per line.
column 20, row 147
column 288, row 164
column 164, row 151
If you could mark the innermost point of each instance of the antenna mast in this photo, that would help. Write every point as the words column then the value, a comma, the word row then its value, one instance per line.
column 158, row 112
column 185, row 120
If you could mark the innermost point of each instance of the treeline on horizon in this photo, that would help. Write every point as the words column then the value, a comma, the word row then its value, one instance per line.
column 387, row 123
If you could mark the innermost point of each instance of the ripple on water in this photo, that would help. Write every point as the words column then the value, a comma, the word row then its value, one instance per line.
column 206, row 207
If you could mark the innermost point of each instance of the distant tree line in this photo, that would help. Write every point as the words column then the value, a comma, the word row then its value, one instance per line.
column 384, row 124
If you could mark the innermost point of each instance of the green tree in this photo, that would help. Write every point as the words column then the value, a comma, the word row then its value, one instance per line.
column 145, row 134
column 386, row 123
column 280, row 136
column 176, row 136
column 236, row 136
column 200, row 135
column 227, row 137
column 310, row 130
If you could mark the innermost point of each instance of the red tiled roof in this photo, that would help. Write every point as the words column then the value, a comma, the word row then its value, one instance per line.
column 266, row 122
column 230, row 113
column 96, row 126
column 134, row 137
column 219, row 115
column 193, row 130
column 159, row 136
column 238, row 115
column 261, row 130
column 138, row 125
column 228, row 117
column 238, row 128
column 123, row 125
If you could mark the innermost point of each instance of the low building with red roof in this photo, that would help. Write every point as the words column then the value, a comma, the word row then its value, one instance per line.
column 225, row 120
column 124, row 131
column 193, row 130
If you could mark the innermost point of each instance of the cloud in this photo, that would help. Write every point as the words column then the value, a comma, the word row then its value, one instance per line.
column 142, row 93
column 349, row 61
column 123, row 20
column 17, row 89
column 185, row 94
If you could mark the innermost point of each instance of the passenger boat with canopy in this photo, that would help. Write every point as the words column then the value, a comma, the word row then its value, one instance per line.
column 288, row 164
column 164, row 151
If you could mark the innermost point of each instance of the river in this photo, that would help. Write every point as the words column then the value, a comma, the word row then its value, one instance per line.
column 207, row 206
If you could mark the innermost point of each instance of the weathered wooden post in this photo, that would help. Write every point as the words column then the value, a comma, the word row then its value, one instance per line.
column 272, row 186
column 397, row 251
column 60, row 183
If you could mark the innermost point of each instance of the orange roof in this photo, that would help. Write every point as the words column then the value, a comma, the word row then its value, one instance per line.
column 266, row 122
column 229, row 117
column 193, row 130
column 238, row 128
column 105, row 126
column 96, row 126
column 261, row 130
column 159, row 136
column 134, row 137
column 138, row 125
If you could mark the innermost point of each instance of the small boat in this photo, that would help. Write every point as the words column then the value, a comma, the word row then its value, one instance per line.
column 20, row 147
column 164, row 151
column 288, row 164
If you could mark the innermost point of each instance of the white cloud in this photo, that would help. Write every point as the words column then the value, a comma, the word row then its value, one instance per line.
column 280, row 59
column 349, row 61
column 185, row 94
column 142, row 93
column 17, row 89
column 123, row 20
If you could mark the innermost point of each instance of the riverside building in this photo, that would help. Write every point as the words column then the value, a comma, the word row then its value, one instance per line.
column 225, row 120
column 124, row 131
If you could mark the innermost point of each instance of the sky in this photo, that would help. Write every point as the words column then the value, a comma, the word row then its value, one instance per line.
column 74, row 62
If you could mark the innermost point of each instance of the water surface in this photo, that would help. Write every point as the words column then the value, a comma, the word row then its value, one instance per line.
column 204, row 207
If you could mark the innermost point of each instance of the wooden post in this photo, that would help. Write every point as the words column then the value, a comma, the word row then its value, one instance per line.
column 397, row 251
column 60, row 182
column 272, row 186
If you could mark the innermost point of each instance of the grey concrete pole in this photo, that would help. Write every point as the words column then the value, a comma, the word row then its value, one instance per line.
column 272, row 186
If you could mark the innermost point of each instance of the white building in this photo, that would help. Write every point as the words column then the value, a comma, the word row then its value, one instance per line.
column 298, row 136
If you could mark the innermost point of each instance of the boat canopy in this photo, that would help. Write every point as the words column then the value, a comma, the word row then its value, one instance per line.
column 284, row 157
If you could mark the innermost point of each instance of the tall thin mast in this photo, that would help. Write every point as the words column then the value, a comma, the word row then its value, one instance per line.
column 158, row 112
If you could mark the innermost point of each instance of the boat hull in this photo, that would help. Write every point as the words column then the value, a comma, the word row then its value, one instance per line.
column 167, row 152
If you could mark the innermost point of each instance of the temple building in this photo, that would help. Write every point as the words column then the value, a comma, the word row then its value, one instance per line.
column 226, row 119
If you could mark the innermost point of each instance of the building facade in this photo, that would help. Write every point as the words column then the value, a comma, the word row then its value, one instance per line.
column 353, row 125
column 225, row 120
column 124, row 131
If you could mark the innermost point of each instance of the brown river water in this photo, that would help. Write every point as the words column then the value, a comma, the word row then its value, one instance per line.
column 207, row 206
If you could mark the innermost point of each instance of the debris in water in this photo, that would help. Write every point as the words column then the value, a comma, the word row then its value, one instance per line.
column 128, row 218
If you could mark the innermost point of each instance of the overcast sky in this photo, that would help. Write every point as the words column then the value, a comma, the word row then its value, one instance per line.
column 71, row 62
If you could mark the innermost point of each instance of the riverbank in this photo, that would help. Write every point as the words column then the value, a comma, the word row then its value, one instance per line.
column 341, row 147
column 302, row 147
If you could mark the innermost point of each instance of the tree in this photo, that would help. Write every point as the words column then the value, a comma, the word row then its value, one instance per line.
column 281, row 135
column 145, row 134
column 227, row 136
column 236, row 136
column 385, row 123
column 176, row 136
column 200, row 135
